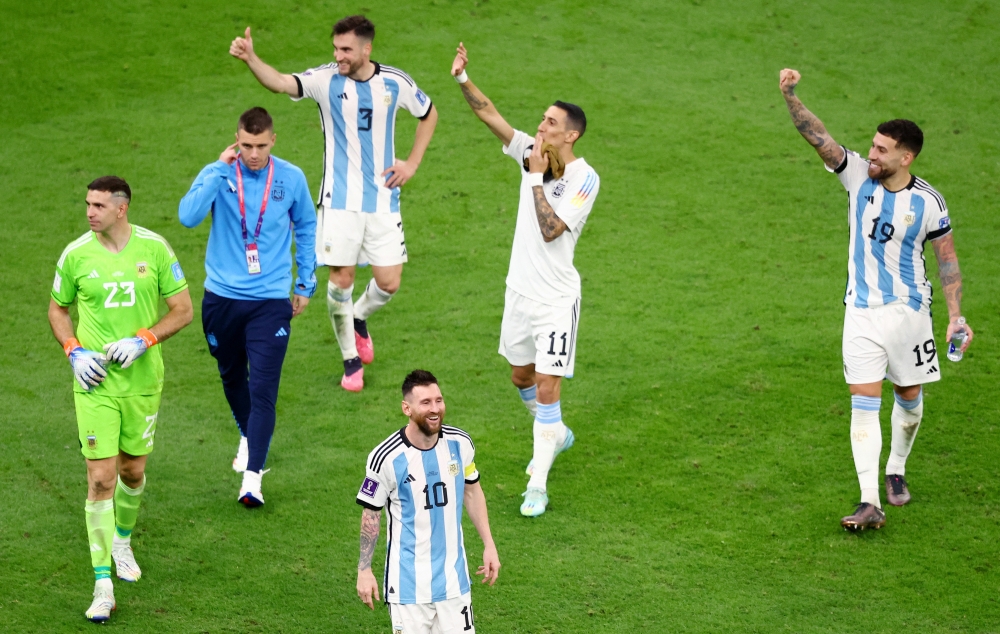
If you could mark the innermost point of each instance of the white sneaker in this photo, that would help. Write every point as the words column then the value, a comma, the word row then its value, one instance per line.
column 104, row 601
column 122, row 555
column 250, row 495
column 242, row 456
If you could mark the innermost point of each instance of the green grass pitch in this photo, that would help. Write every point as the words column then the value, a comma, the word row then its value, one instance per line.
column 712, row 462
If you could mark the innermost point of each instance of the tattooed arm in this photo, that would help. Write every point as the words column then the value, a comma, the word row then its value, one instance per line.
column 552, row 226
column 480, row 105
column 367, row 584
column 951, row 283
column 808, row 125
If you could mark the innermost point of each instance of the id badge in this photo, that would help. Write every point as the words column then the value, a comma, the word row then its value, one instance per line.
column 253, row 259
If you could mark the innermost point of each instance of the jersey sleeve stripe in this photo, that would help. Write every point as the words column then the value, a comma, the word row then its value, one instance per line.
column 76, row 244
column 455, row 431
column 382, row 452
column 923, row 185
column 395, row 71
column 146, row 234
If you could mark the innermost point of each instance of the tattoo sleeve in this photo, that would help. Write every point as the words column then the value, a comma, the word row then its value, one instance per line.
column 814, row 132
column 948, row 271
column 370, row 521
column 476, row 101
column 551, row 225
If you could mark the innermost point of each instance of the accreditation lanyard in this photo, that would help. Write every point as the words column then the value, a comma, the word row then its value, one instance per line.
column 253, row 257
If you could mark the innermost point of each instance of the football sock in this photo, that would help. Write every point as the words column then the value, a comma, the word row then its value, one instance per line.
column 361, row 327
column 371, row 300
column 528, row 398
column 100, row 528
column 549, row 432
column 352, row 365
column 866, row 445
column 341, row 309
column 126, row 508
column 906, row 417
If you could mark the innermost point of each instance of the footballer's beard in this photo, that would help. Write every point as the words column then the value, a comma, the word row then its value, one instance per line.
column 879, row 172
column 352, row 67
column 430, row 428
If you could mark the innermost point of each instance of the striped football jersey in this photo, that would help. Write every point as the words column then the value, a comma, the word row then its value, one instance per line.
column 885, row 261
column 424, row 489
column 359, row 123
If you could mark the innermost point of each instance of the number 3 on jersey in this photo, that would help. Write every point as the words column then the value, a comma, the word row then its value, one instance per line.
column 128, row 288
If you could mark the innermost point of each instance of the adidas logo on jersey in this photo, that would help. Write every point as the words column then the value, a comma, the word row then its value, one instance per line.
column 558, row 364
column 281, row 332
column 410, row 478
column 342, row 95
column 93, row 275
column 932, row 370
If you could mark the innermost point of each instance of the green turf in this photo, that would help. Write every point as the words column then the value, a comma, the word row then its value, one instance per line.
column 712, row 459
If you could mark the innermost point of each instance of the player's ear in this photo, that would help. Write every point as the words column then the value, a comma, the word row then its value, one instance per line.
column 406, row 408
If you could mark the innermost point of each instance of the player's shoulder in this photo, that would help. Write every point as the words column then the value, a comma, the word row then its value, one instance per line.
column 151, row 239
column 392, row 71
column 388, row 447
column 290, row 167
column 82, row 241
column 454, row 433
column 330, row 68
column 921, row 186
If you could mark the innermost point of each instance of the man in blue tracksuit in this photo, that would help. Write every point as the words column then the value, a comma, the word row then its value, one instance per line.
column 257, row 201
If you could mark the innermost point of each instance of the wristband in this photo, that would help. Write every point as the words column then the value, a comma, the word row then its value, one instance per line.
column 147, row 336
column 71, row 344
column 461, row 78
column 960, row 321
column 536, row 180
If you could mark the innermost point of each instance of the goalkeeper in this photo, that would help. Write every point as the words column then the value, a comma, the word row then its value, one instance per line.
column 542, row 304
column 116, row 272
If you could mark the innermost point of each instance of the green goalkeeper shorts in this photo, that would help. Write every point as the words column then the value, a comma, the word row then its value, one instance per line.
column 112, row 424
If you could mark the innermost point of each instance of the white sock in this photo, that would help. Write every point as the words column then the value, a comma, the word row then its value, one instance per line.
column 549, row 432
column 371, row 300
column 341, row 309
column 866, row 445
column 906, row 417
column 528, row 398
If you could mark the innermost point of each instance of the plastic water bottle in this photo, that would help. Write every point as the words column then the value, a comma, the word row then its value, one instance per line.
column 957, row 339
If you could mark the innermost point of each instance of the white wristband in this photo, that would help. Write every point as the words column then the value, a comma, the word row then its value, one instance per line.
column 536, row 180
column 462, row 78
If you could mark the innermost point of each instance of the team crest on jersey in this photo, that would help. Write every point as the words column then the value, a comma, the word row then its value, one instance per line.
column 140, row 269
column 387, row 100
column 453, row 468
column 278, row 193
column 369, row 487
column 559, row 189
column 909, row 219
column 421, row 97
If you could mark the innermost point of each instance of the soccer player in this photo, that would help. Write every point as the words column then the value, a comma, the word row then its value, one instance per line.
column 116, row 273
column 246, row 314
column 358, row 202
column 426, row 472
column 542, row 305
column 887, row 322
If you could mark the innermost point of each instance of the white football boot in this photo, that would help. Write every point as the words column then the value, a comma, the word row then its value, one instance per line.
column 104, row 601
column 242, row 456
column 124, row 558
column 250, row 495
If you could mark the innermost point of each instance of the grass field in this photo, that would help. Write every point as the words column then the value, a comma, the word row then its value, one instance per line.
column 712, row 461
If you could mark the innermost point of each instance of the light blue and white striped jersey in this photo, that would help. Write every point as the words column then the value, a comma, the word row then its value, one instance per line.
column 359, row 124
column 888, row 230
column 425, row 489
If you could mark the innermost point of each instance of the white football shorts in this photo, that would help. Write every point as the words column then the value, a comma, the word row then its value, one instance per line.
column 537, row 333
column 453, row 616
column 347, row 238
column 891, row 342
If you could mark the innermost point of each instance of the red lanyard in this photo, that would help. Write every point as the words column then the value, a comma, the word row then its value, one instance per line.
column 263, row 202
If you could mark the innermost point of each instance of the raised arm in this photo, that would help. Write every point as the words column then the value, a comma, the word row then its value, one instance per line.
column 480, row 105
column 951, row 283
column 475, row 506
column 808, row 124
column 367, row 584
column 242, row 48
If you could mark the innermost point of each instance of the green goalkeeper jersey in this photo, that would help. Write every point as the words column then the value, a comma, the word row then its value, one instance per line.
column 116, row 295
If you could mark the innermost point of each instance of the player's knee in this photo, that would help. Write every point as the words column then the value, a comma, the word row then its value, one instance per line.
column 102, row 486
column 389, row 287
column 343, row 277
column 548, row 388
column 131, row 475
column 522, row 378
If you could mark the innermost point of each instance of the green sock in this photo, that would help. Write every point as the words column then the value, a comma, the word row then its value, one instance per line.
column 100, row 526
column 127, row 507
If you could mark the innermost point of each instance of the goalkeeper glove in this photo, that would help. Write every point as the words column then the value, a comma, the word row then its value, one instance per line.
column 88, row 365
column 125, row 351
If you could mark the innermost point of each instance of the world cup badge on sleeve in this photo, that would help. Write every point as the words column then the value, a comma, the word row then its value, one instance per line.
column 369, row 487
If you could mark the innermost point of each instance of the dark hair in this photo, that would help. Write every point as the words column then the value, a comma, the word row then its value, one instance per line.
column 117, row 186
column 575, row 119
column 905, row 133
column 415, row 378
column 361, row 26
column 256, row 121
